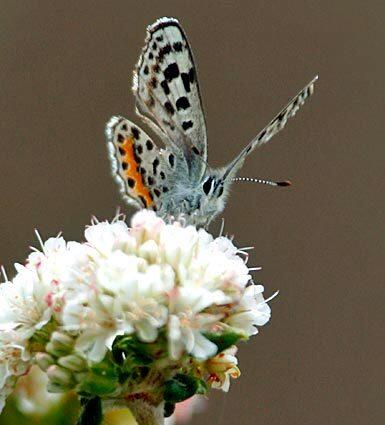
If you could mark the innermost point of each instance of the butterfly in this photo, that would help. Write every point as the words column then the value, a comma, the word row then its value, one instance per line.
column 175, row 180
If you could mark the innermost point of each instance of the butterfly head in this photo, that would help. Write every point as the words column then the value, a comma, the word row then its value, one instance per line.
column 211, row 197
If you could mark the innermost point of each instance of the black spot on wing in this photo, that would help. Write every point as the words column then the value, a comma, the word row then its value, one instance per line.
column 150, row 180
column 262, row 135
column 186, row 81
column 122, row 151
column 137, row 158
column 195, row 150
column 154, row 82
column 157, row 192
column 124, row 165
column 178, row 46
column 191, row 75
column 155, row 165
column 120, row 138
column 135, row 132
column 139, row 149
column 144, row 202
column 149, row 145
column 169, row 108
column 165, row 87
column 124, row 127
column 130, row 182
column 145, row 70
column 171, row 159
column 171, row 72
column 182, row 103
column 187, row 124
column 159, row 38
column 165, row 50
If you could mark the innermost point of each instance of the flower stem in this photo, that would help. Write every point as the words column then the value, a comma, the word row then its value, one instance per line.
column 145, row 413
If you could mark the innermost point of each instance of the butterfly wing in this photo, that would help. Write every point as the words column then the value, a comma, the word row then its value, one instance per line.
column 167, row 91
column 140, row 168
column 275, row 126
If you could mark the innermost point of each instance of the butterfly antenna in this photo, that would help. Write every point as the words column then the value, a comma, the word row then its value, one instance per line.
column 267, row 182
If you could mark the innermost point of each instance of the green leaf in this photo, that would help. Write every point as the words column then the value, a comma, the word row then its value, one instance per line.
column 180, row 388
column 224, row 340
column 101, row 379
column 128, row 351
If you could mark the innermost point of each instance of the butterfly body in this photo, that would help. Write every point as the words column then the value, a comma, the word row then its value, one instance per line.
column 175, row 180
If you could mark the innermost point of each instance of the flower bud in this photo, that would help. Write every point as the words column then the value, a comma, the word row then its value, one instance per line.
column 60, row 344
column 57, row 388
column 62, row 341
column 73, row 362
column 44, row 361
column 59, row 375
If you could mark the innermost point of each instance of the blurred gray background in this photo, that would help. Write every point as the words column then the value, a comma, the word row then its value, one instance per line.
column 66, row 68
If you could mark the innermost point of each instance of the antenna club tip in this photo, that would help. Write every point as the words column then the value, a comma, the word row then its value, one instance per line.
column 284, row 183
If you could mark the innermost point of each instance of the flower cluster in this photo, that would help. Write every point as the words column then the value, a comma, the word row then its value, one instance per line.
column 153, row 309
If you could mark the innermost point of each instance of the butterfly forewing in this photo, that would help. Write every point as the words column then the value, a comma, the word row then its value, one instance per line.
column 279, row 121
column 139, row 167
column 167, row 91
column 275, row 125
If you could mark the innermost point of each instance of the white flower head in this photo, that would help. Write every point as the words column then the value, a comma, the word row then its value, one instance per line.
column 25, row 304
column 136, row 280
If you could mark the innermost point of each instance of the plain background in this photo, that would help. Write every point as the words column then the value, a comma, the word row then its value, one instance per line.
column 65, row 68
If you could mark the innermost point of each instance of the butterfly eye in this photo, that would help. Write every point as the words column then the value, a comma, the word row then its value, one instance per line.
column 207, row 185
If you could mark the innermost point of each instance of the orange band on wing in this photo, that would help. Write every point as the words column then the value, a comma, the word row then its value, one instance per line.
column 132, row 173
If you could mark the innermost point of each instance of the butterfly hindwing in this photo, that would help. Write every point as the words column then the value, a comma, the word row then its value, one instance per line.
column 139, row 166
column 167, row 91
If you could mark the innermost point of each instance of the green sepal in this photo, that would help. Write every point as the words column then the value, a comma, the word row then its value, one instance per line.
column 101, row 379
column 202, row 387
column 225, row 339
column 181, row 387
